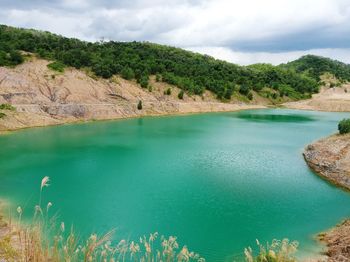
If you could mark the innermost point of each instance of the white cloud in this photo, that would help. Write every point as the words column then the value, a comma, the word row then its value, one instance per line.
column 248, row 58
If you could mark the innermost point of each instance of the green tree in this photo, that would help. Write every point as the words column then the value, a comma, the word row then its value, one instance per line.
column 344, row 126
column 16, row 57
column 127, row 73
column 250, row 96
column 167, row 92
column 244, row 90
column 144, row 81
column 139, row 105
column 181, row 94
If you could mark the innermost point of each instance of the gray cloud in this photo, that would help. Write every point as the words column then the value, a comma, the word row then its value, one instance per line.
column 249, row 26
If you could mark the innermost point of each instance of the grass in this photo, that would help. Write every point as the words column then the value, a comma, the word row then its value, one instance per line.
column 57, row 66
column 277, row 251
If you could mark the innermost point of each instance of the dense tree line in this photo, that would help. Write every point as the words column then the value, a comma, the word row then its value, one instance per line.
column 191, row 72
column 315, row 66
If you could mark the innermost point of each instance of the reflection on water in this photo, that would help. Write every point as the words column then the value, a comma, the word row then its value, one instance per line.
column 276, row 117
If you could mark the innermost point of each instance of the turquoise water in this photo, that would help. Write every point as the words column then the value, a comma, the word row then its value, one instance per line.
column 216, row 181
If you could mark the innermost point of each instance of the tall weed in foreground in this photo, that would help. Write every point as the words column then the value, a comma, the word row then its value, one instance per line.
column 45, row 239
column 277, row 251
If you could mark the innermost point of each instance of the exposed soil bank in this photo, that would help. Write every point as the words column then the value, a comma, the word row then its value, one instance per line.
column 43, row 97
column 330, row 158
column 335, row 99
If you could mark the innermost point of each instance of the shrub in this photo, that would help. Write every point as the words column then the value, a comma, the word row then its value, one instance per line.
column 344, row 126
column 16, row 58
column 250, row 96
column 158, row 77
column 244, row 90
column 144, row 81
column 127, row 73
column 181, row 95
column 167, row 92
column 2, row 115
column 7, row 107
column 139, row 105
column 56, row 66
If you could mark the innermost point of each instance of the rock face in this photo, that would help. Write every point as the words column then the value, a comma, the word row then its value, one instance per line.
column 44, row 97
column 330, row 158
column 338, row 242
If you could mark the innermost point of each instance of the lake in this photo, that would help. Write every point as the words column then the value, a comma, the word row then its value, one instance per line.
column 216, row 181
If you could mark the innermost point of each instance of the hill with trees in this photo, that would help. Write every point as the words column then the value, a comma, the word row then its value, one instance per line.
column 189, row 71
column 315, row 66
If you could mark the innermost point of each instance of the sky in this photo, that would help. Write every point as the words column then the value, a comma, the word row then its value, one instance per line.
column 238, row 31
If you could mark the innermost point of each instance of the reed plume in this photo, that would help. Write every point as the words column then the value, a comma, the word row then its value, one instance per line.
column 44, row 183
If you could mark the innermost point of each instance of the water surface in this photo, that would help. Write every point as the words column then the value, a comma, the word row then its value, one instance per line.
column 216, row 181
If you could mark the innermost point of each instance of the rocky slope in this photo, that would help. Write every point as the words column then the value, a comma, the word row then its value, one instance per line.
column 44, row 97
column 337, row 241
column 330, row 158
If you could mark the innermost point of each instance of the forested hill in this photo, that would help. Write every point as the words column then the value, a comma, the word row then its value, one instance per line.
column 189, row 71
column 315, row 66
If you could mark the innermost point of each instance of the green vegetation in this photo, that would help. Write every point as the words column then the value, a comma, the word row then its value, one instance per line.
column 344, row 126
column 143, row 81
column 127, row 73
column 9, row 56
column 315, row 66
column 189, row 71
column 7, row 107
column 56, row 66
column 167, row 92
column 181, row 95
column 139, row 105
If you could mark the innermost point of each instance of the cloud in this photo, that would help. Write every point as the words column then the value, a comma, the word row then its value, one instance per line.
column 247, row 58
column 233, row 28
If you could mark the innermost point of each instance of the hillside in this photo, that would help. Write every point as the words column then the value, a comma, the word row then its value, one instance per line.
column 50, row 79
column 316, row 66
column 194, row 73
column 41, row 96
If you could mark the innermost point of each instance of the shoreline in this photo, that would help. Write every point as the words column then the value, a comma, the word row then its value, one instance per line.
column 329, row 158
column 242, row 107
column 328, row 239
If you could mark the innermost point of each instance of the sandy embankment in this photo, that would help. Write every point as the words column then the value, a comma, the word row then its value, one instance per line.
column 330, row 158
column 43, row 97
column 335, row 99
